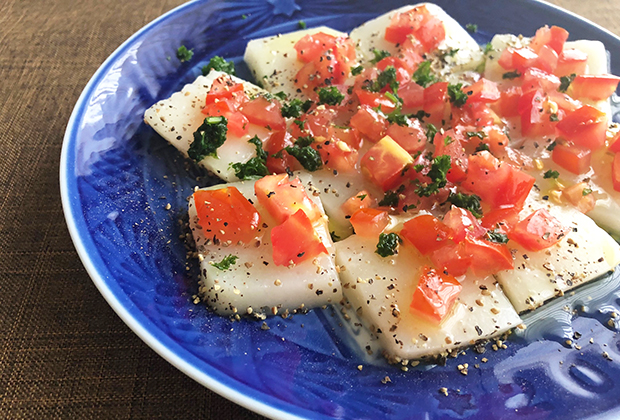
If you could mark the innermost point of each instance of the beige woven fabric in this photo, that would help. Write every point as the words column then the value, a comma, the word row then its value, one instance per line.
column 63, row 352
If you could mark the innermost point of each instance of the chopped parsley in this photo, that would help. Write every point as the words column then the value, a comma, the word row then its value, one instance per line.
column 357, row 70
column 295, row 108
column 554, row 117
column 552, row 146
column 510, row 75
column 467, row 202
column 244, row 16
column 480, row 134
column 330, row 96
column 457, row 96
column 448, row 140
column 551, row 174
column 387, row 244
column 386, row 78
column 308, row 157
column 420, row 115
column 418, row 168
column 396, row 117
column 281, row 96
column 390, row 199
column 451, row 52
column 183, row 54
column 422, row 76
column 217, row 63
column 362, row 196
column 302, row 24
column 496, row 236
column 431, row 130
column 299, row 123
column 379, row 55
column 487, row 48
column 256, row 166
column 586, row 191
column 208, row 137
column 565, row 82
column 472, row 27
column 226, row 262
column 439, row 168
column 482, row 147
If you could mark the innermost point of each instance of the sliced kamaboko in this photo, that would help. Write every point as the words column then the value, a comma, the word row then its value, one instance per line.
column 381, row 290
column 458, row 52
column 274, row 63
column 178, row 117
column 253, row 283
column 583, row 253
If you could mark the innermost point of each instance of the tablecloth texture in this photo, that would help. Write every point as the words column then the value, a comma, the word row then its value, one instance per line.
column 63, row 352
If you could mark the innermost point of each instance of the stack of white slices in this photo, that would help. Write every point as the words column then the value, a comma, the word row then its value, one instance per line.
column 349, row 270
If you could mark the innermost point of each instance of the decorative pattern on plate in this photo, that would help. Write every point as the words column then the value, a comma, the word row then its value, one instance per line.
column 117, row 178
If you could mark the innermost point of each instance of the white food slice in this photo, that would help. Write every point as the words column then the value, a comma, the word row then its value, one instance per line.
column 254, row 281
column 178, row 117
column 585, row 253
column 371, row 35
column 380, row 290
column 273, row 60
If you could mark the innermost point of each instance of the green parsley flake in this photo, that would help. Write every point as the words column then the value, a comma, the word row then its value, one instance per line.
column 431, row 131
column 551, row 174
column 482, row 147
column 330, row 96
column 357, row 70
column 390, row 199
column 385, row 78
column 457, row 96
column 554, row 117
column 208, row 138
column 467, row 202
column 294, row 108
column 586, row 191
column 256, row 167
column 472, row 27
column 565, row 82
column 308, row 157
column 552, row 146
column 226, row 262
column 218, row 63
column 302, row 24
column 510, row 75
column 480, row 134
column 439, row 169
column 183, row 54
column 379, row 55
column 422, row 76
column 487, row 48
column 496, row 236
column 387, row 244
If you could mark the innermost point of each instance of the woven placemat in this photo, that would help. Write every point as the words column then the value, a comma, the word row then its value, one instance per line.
column 63, row 352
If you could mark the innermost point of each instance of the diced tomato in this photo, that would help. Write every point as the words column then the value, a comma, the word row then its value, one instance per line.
column 361, row 200
column 412, row 95
column 503, row 219
column 564, row 102
column 435, row 295
column 534, row 79
column 336, row 154
column 226, row 215
column 452, row 259
column 497, row 140
column 614, row 143
column 225, row 88
column 237, row 122
column 295, row 240
column 312, row 46
column 488, row 257
column 535, row 120
column 265, row 113
column 375, row 100
column 476, row 114
column 499, row 185
column 571, row 62
column 369, row 222
column 317, row 122
column 346, row 134
column 449, row 143
column 426, row 233
column 275, row 145
column 411, row 54
column 586, row 127
column 385, row 163
column 538, row 231
column 615, row 172
column 436, row 103
column 547, row 59
column 483, row 90
column 518, row 59
column 508, row 104
column 596, row 87
column 283, row 197
column 580, row 196
column 426, row 28
column 411, row 137
column 403, row 70
column 572, row 158
column 554, row 37
column 463, row 223
column 370, row 123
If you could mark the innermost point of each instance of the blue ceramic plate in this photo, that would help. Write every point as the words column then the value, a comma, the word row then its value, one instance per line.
column 117, row 176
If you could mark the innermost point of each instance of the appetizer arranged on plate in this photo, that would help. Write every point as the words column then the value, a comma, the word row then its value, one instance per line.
column 434, row 188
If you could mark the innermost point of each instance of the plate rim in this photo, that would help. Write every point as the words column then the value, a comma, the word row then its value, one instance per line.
column 206, row 378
